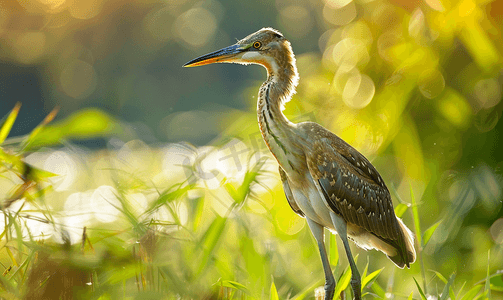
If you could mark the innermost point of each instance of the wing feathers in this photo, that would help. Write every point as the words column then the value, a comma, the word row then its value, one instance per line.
column 353, row 188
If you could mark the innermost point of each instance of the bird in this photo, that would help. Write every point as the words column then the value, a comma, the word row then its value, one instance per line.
column 325, row 180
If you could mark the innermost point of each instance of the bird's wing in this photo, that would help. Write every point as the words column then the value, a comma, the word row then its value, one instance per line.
column 289, row 194
column 351, row 186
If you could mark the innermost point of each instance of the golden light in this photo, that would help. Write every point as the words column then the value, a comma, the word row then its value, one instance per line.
column 350, row 52
column 337, row 3
column 85, row 9
column 105, row 204
column 339, row 15
column 431, row 83
column 196, row 26
column 28, row 47
column 358, row 91
column 488, row 92
column 296, row 20
column 64, row 166
column 158, row 24
column 455, row 108
column 78, row 79
column 53, row 6
column 497, row 231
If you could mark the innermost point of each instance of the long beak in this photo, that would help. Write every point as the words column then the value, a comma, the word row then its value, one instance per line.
column 223, row 55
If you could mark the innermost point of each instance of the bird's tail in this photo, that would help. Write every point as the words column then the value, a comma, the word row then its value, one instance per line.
column 406, row 254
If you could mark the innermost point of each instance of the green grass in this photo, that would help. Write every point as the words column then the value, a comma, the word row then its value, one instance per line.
column 187, row 240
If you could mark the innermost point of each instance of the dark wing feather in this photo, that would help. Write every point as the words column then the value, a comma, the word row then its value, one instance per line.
column 351, row 186
column 288, row 193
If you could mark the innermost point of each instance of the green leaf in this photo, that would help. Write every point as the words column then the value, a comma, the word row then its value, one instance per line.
column 333, row 250
column 488, row 276
column 420, row 290
column 371, row 277
column 88, row 123
column 308, row 289
column 39, row 128
column 378, row 290
column 235, row 285
column 7, row 125
column 451, row 293
column 440, row 276
column 472, row 293
column 497, row 282
column 400, row 209
column 343, row 282
column 461, row 289
column 210, row 240
column 364, row 274
column 410, row 296
column 429, row 232
column 415, row 214
column 445, row 292
column 274, row 292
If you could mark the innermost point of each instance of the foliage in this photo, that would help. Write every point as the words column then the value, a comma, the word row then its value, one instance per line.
column 414, row 85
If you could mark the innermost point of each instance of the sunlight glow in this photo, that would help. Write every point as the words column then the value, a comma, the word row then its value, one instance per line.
column 85, row 9
column 29, row 46
column 196, row 26
column 296, row 20
column 105, row 204
column 337, row 15
column 78, row 79
column 358, row 91
column 497, row 231
column 62, row 164
column 431, row 83
column 351, row 52
column 52, row 4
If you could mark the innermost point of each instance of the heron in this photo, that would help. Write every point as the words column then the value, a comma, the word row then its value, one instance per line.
column 326, row 181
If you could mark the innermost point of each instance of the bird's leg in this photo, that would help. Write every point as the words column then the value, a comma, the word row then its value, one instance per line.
column 317, row 231
column 340, row 226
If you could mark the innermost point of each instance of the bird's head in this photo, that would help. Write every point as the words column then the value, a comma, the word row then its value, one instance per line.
column 266, row 47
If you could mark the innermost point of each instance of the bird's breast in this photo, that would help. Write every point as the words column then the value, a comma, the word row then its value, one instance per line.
column 309, row 200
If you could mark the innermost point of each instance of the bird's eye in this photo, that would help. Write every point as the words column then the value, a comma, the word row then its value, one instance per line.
column 257, row 45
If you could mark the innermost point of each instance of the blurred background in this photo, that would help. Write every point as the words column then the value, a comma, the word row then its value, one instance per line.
column 416, row 86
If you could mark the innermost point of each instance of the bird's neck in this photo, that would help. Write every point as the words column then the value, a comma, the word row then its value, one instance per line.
column 277, row 130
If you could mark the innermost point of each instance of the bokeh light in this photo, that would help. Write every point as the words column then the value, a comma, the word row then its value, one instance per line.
column 196, row 26
column 176, row 153
column 78, row 79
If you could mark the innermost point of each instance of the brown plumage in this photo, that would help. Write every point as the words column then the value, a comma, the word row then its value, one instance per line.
column 325, row 180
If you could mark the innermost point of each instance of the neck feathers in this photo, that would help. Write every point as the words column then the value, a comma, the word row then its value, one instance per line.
column 282, row 79
column 283, row 74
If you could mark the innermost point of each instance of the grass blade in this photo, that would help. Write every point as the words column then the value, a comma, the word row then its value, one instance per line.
column 371, row 277
column 417, row 227
column 445, row 292
column 378, row 290
column 308, row 289
column 440, row 276
column 423, row 297
column 333, row 250
column 343, row 282
column 210, row 240
column 429, row 232
column 488, row 276
column 7, row 125
column 472, row 293
column 451, row 293
column 400, row 209
column 274, row 292
column 236, row 285
column 39, row 128
column 415, row 214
